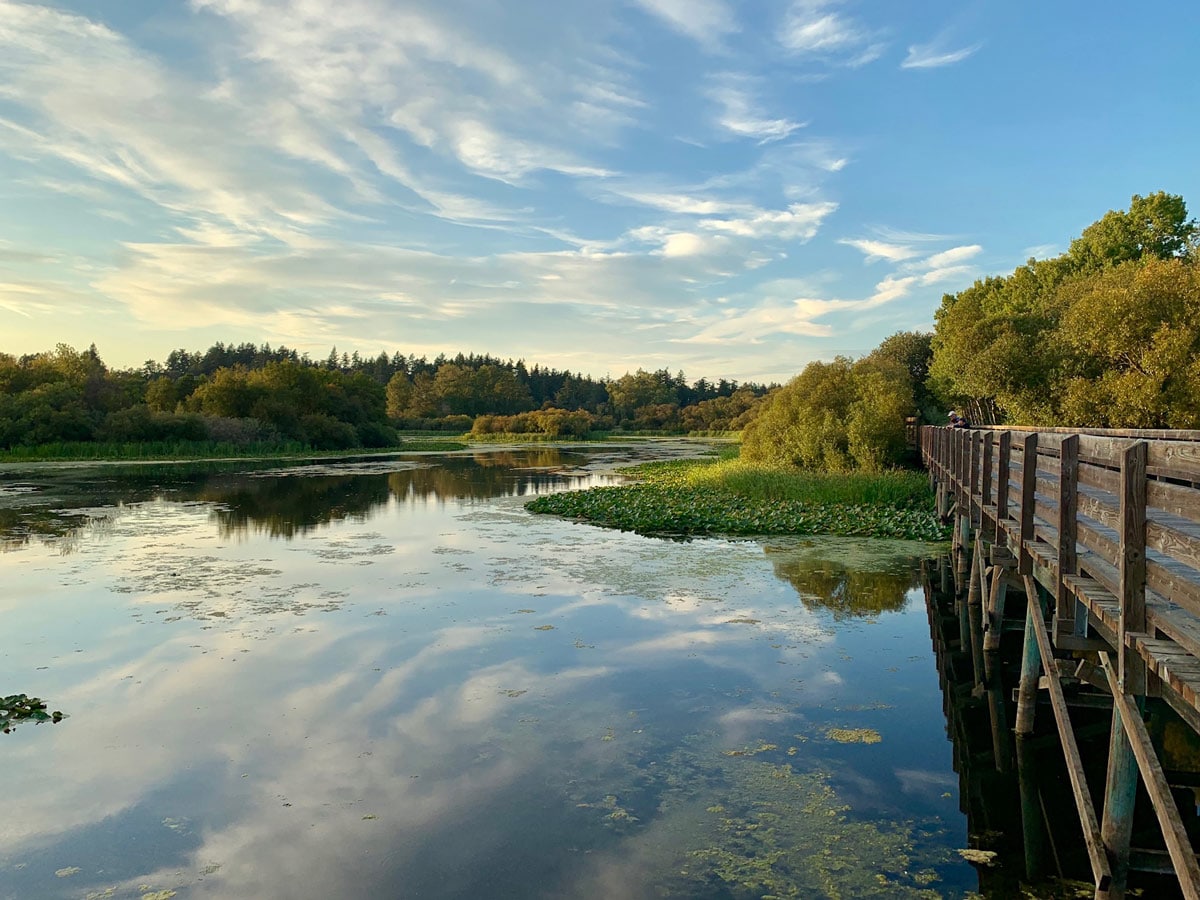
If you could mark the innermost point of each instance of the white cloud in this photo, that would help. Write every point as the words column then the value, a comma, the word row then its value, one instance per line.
column 953, row 256
column 815, row 28
column 875, row 250
column 933, row 56
column 704, row 21
column 741, row 116
column 799, row 222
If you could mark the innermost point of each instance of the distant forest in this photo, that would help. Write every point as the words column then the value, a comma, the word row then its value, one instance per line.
column 248, row 395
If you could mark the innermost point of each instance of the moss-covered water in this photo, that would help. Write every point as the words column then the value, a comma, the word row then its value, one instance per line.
column 388, row 679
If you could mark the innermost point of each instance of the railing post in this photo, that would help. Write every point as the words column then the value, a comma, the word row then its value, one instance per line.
column 973, row 447
column 1003, row 466
column 1065, row 620
column 985, row 485
column 1132, row 671
column 1028, row 490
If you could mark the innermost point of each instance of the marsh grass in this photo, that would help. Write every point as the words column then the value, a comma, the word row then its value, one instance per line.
column 755, row 481
column 729, row 496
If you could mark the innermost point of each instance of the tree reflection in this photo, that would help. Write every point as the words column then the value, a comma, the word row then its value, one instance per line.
column 849, row 578
column 281, row 503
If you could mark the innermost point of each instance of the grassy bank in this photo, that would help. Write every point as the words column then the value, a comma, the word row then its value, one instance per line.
column 732, row 497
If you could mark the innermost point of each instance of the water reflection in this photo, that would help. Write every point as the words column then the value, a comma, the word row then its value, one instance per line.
column 429, row 692
column 849, row 577
column 280, row 502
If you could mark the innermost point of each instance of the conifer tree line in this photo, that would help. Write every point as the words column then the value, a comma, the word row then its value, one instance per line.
column 250, row 394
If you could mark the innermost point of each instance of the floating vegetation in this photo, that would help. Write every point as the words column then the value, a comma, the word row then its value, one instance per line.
column 752, row 751
column 543, row 627
column 699, row 497
column 23, row 708
column 853, row 735
column 743, row 621
column 783, row 833
column 979, row 857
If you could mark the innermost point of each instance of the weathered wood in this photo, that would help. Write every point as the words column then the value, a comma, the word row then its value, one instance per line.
column 1033, row 827
column 1175, row 458
column 1172, row 542
column 1132, row 565
column 1003, row 466
column 975, row 612
column 1102, row 450
column 975, row 450
column 1108, row 523
column 1145, row 434
column 1099, row 477
column 1029, row 445
column 997, row 596
column 1101, row 871
column 985, row 483
column 1064, row 609
column 1031, row 663
column 1120, row 798
column 1179, row 845
column 1174, row 499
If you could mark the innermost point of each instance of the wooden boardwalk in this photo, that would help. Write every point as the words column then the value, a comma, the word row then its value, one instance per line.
column 1097, row 535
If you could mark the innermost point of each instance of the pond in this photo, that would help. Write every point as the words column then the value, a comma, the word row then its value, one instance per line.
column 385, row 678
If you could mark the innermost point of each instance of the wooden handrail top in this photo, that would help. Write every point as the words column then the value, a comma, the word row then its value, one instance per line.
column 1144, row 434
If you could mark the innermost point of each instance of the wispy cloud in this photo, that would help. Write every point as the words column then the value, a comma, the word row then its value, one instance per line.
column 881, row 250
column 935, row 55
column 953, row 256
column 816, row 28
column 704, row 21
column 740, row 112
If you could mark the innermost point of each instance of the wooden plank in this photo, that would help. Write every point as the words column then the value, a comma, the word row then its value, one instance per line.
column 1174, row 499
column 1175, row 581
column 1174, row 543
column 1179, row 845
column 1096, row 477
column 1132, row 565
column 1095, row 540
column 1102, row 450
column 1093, row 507
column 1178, row 459
column 1097, row 855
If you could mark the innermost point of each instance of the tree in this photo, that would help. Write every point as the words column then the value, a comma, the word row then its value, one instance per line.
column 834, row 417
column 633, row 391
column 399, row 395
column 1156, row 227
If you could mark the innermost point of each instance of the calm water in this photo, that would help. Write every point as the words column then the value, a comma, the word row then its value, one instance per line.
column 387, row 679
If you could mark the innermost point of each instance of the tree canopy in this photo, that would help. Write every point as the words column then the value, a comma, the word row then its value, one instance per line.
column 1102, row 335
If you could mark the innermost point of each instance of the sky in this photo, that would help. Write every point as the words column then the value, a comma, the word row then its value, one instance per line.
column 731, row 189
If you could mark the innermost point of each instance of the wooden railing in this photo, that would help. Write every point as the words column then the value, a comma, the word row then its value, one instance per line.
column 1107, row 525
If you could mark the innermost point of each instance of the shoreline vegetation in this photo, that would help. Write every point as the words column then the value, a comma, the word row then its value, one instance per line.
column 189, row 451
column 732, row 497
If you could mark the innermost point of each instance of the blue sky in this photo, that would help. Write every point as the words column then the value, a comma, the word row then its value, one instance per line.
column 731, row 189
